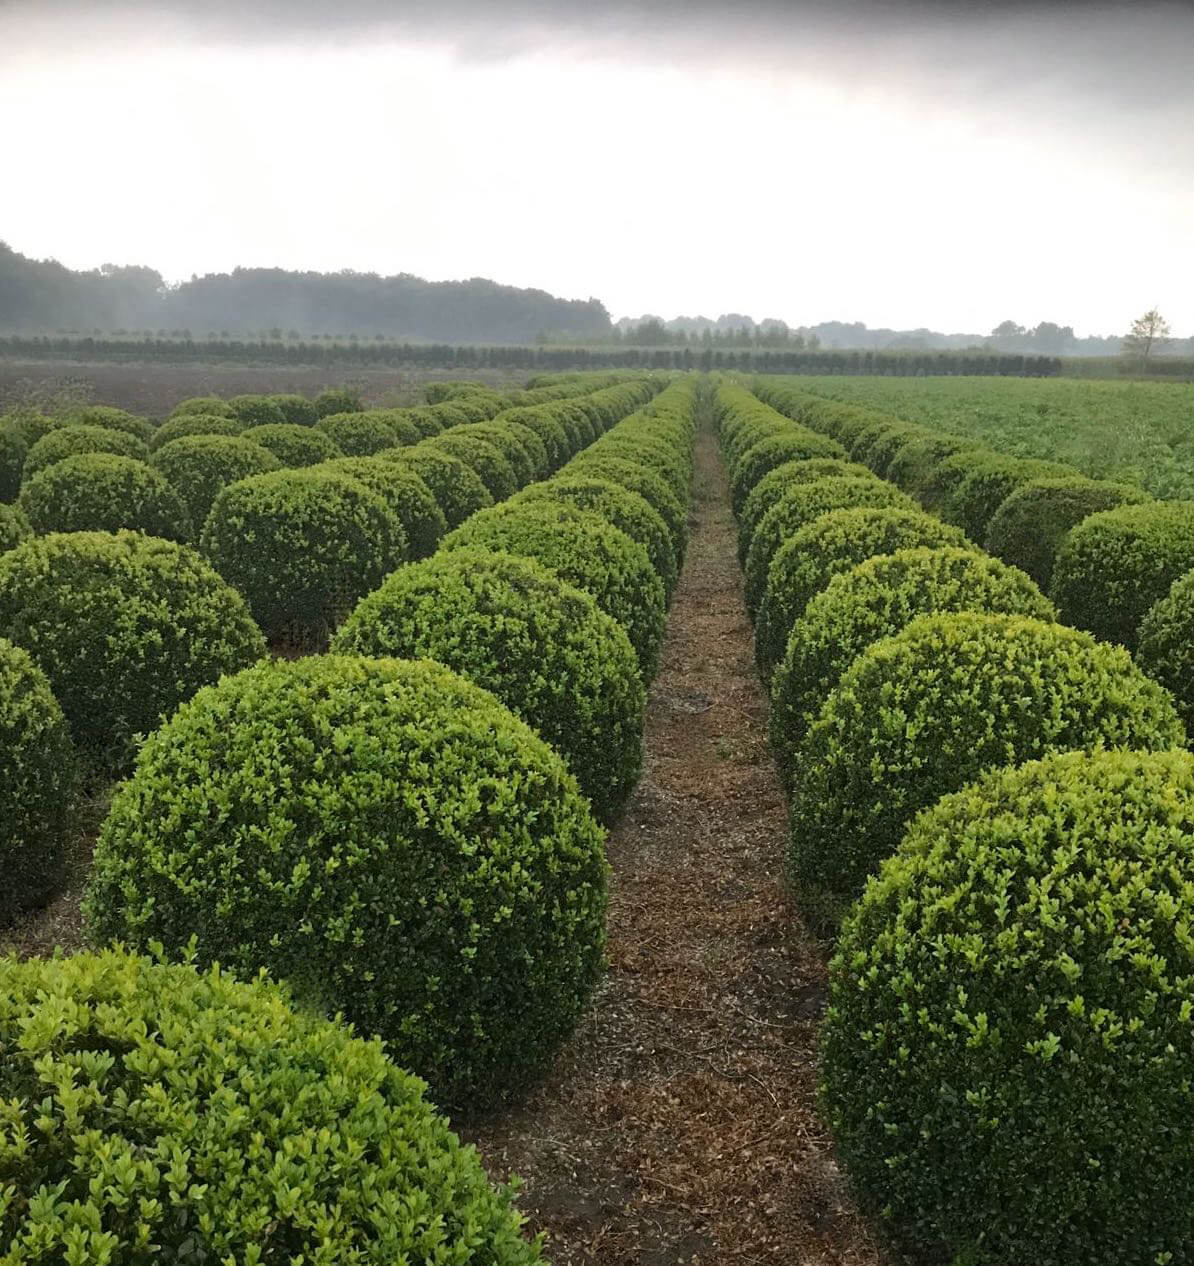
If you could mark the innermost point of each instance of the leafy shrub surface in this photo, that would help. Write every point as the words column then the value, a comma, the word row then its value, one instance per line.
column 1166, row 650
column 776, row 482
column 359, row 434
column 457, row 488
column 194, row 424
column 294, row 444
column 14, row 527
column 494, row 471
column 256, row 410
column 200, row 466
column 67, row 441
column 410, row 499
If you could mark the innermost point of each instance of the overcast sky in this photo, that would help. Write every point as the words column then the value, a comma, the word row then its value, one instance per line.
column 904, row 164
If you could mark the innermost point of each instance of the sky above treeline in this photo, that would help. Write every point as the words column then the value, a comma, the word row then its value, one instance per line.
column 905, row 164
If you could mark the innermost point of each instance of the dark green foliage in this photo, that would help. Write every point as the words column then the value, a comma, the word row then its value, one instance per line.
column 125, row 627
column 14, row 448
column 1116, row 564
column 14, row 527
column 213, row 405
column 37, row 774
column 189, row 1118
column 338, row 400
column 550, row 431
column 796, row 444
column 801, row 504
column 512, row 445
column 195, row 424
column 924, row 712
column 913, row 463
column 456, row 487
column 385, row 836
column 297, row 410
column 294, row 444
column 586, row 551
column 423, row 522
column 99, row 492
column 881, row 448
column 1008, row 1047
column 68, row 441
column 834, row 543
column 1166, row 650
column 360, row 434
column 876, row 599
column 776, row 482
column 1032, row 521
column 303, row 546
column 200, row 466
column 256, row 410
column 114, row 419
column 494, row 471
column 541, row 646
column 990, row 480
column 651, row 487
column 425, row 420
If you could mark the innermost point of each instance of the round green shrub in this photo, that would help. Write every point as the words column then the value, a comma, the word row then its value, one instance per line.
column 651, row 451
column 14, row 448
column 494, row 471
column 423, row 522
column 194, row 424
column 879, row 452
column 550, row 431
column 197, row 1119
column 875, row 599
column 68, row 441
column 338, row 400
column 37, row 775
column 526, row 438
column 386, row 837
column 924, row 712
column 358, row 434
column 1166, row 649
column 125, row 627
column 457, row 488
column 30, row 423
column 405, row 430
column 513, row 448
column 912, row 464
column 199, row 466
column 256, row 410
column 1033, row 519
column 114, row 419
column 831, row 544
column 14, row 527
column 99, row 492
column 801, row 504
column 425, row 420
column 294, row 444
column 1114, row 565
column 617, row 505
column 303, row 546
column 543, row 647
column 776, row 482
column 650, row 486
column 213, row 405
column 990, row 480
column 1007, row 1049
column 586, row 551
column 794, row 445
column 297, row 410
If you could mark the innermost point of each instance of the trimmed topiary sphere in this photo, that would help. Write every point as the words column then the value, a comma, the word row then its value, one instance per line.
column 989, row 480
column 876, row 599
column 457, row 488
column 550, row 431
column 802, row 504
column 650, row 486
column 14, row 527
column 494, row 470
column 37, row 774
column 776, row 482
column 912, row 464
column 338, row 400
column 880, row 449
column 1117, row 564
column 1031, row 522
column 256, row 410
column 586, row 551
column 831, row 544
column 523, row 450
column 125, row 627
column 216, row 405
column 69, row 441
column 293, row 444
column 423, row 522
column 199, row 466
column 194, row 424
column 359, row 434
column 925, row 712
column 1007, row 1051
column 541, row 646
column 297, row 410
column 114, row 419
column 1166, row 650
column 98, row 492
column 197, row 1119
column 303, row 546
column 385, row 836
column 797, row 444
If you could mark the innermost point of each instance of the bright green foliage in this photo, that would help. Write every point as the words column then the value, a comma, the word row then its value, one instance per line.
column 457, row 488
column 989, row 480
column 881, row 447
column 67, row 441
column 651, row 487
column 256, row 410
column 519, row 445
column 801, row 504
column 586, row 551
column 425, row 420
column 912, row 464
column 831, row 544
column 796, row 444
column 114, row 419
column 125, row 627
column 303, row 546
column 385, row 836
column 1116, row 564
column 423, row 522
column 359, row 434
column 338, row 400
column 1008, row 1046
column 550, row 431
column 176, row 1117
column 1031, row 522
column 199, row 466
column 99, row 492
column 14, row 527
column 653, row 450
column 30, row 423
column 297, row 410
column 1166, row 650
column 927, row 711
column 294, row 444
column 543, row 647
column 776, row 482
column 617, row 505
column 876, row 599
column 494, row 471
column 195, row 424
column 215, row 405
column 37, row 774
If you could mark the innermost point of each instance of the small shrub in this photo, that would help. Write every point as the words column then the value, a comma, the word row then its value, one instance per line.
column 513, row 448
column 114, row 419
column 543, row 647
column 879, row 452
column 550, row 431
column 338, row 400
column 494, row 471
column 125, row 627
column 194, row 424
column 385, row 836
column 795, row 444
column 1007, row 1049
column 14, row 527
column 68, row 441
column 651, row 487
column 924, row 712
column 199, row 466
column 37, row 774
column 294, row 444
column 297, row 410
column 457, row 488
column 359, row 434
column 99, row 492
column 196, row 1119
column 913, row 463
column 776, row 482
column 303, row 546
column 213, row 405
column 989, row 480
column 1166, row 650
column 256, row 410
column 423, row 522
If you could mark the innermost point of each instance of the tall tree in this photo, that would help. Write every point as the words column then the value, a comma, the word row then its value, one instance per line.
column 1148, row 334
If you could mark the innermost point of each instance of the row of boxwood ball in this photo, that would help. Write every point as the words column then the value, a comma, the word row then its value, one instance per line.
column 995, row 815
column 388, row 838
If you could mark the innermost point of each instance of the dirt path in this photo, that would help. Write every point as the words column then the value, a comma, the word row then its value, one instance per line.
column 679, row 1126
